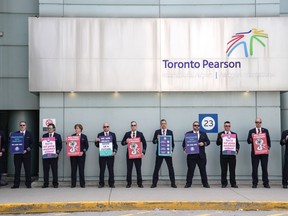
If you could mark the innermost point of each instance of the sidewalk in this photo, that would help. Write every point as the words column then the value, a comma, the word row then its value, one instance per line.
column 91, row 198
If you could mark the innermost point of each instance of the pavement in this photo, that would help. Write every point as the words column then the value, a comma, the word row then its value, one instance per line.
column 92, row 198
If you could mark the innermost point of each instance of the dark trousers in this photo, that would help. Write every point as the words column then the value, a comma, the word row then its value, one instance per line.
column 1, row 167
column 109, row 161
column 191, row 163
column 53, row 162
column 158, row 164
column 264, row 165
column 225, row 162
column 77, row 161
column 285, row 171
column 138, row 163
column 26, row 160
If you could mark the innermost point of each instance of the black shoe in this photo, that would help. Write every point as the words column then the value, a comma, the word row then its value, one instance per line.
column 234, row 186
column 14, row 187
column 266, row 186
column 187, row 186
column 112, row 186
column 55, row 186
column 224, row 185
column 82, row 186
column 254, row 186
column 153, row 186
column 140, row 186
column 285, row 186
column 3, row 184
column 206, row 186
column 128, row 186
column 100, row 186
column 28, row 186
column 173, row 185
column 44, row 186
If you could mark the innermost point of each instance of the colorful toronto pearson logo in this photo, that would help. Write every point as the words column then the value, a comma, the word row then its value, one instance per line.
column 246, row 40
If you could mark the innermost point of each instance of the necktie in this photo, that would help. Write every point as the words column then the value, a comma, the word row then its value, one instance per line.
column 258, row 130
column 133, row 134
column 197, row 134
column 50, row 135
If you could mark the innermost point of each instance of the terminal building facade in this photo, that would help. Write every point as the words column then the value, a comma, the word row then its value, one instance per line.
column 95, row 61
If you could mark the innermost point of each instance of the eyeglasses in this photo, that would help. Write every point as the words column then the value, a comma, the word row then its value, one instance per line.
column 105, row 126
column 49, row 128
column 227, row 126
column 22, row 125
column 258, row 122
column 134, row 125
column 196, row 125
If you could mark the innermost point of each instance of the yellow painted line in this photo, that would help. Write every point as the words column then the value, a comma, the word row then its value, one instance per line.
column 209, row 205
column 277, row 214
column 16, row 208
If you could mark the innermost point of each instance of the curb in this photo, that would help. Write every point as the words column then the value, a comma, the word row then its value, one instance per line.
column 17, row 208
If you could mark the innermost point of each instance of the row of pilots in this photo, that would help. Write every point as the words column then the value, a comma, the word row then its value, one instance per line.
column 199, row 159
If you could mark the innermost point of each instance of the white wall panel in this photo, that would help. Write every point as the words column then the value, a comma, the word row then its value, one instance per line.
column 157, row 54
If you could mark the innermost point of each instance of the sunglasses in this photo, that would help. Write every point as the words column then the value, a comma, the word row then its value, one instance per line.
column 105, row 126
column 258, row 122
column 227, row 126
column 196, row 125
column 22, row 125
column 134, row 125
